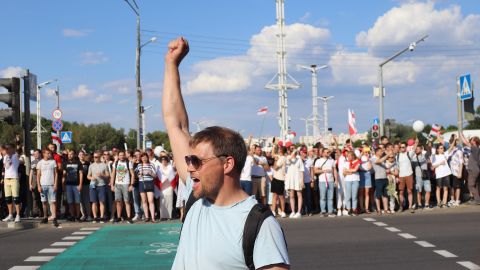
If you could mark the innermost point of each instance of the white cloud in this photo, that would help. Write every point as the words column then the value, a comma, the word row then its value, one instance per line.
column 69, row 32
column 93, row 58
column 122, row 86
column 11, row 72
column 102, row 98
column 305, row 17
column 235, row 73
column 123, row 101
column 82, row 91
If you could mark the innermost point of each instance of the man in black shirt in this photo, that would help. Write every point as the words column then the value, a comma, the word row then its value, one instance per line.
column 85, row 207
column 72, row 179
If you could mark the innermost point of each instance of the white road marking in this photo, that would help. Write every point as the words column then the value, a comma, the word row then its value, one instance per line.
column 52, row 250
column 20, row 267
column 392, row 229
column 380, row 224
column 369, row 219
column 82, row 233
column 424, row 244
column 90, row 229
column 73, row 238
column 445, row 253
column 39, row 258
column 56, row 244
column 469, row 265
column 407, row 236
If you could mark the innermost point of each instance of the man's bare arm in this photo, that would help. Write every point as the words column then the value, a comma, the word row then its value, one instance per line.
column 174, row 112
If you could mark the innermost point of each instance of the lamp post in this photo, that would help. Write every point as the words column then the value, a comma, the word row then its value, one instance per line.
column 314, row 69
column 136, row 10
column 39, row 127
column 410, row 47
column 325, row 116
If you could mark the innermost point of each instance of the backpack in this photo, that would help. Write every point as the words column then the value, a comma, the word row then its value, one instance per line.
column 255, row 218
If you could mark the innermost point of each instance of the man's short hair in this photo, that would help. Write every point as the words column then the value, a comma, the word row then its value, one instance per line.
column 225, row 142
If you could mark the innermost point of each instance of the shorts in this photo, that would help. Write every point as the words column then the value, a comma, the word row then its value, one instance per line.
column 405, row 181
column 73, row 195
column 381, row 188
column 145, row 186
column 256, row 184
column 263, row 187
column 455, row 182
column 98, row 194
column 423, row 185
column 365, row 180
column 277, row 187
column 12, row 187
column 443, row 181
column 48, row 194
column 121, row 193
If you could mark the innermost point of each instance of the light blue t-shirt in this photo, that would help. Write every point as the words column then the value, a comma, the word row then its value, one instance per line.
column 212, row 237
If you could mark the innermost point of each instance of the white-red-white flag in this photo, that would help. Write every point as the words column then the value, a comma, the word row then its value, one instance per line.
column 56, row 139
column 262, row 111
column 351, row 123
column 435, row 131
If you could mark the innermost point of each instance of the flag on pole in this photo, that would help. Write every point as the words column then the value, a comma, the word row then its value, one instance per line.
column 56, row 139
column 351, row 123
column 262, row 111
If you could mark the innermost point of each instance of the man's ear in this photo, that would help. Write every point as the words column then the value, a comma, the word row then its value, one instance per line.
column 229, row 165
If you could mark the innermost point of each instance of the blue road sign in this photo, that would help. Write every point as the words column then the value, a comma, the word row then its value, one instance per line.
column 66, row 136
column 465, row 87
column 57, row 125
column 376, row 121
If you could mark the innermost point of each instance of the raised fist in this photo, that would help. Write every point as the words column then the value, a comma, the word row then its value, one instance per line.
column 177, row 50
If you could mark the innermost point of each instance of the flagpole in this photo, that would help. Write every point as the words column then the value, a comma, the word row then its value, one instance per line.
column 261, row 127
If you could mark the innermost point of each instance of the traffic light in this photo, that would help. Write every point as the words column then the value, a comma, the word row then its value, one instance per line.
column 12, row 99
column 375, row 131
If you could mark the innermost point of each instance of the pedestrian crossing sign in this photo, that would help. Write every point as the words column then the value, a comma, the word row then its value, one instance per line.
column 66, row 136
column 465, row 87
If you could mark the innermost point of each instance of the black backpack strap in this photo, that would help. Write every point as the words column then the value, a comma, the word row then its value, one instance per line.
column 252, row 227
column 191, row 200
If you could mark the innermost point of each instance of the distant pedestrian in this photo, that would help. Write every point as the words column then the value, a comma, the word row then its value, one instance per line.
column 47, row 182
column 73, row 180
column 442, row 174
column 121, row 182
column 98, row 174
column 11, row 163
column 146, row 173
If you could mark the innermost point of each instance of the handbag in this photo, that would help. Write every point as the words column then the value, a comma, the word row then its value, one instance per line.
column 425, row 174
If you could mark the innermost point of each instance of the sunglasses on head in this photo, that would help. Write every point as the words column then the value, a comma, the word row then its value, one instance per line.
column 197, row 162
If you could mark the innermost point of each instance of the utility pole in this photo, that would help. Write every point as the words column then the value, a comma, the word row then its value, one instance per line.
column 39, row 129
column 306, row 125
column 325, row 116
column 144, row 109
column 282, row 86
column 314, row 69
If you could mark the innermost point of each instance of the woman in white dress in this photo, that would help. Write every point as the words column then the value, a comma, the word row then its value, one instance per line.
column 294, row 183
column 166, row 173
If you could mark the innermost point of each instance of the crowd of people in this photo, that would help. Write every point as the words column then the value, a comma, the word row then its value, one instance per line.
column 132, row 186
column 98, row 187
column 385, row 178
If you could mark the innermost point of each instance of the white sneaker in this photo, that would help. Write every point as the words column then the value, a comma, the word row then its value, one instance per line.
column 135, row 218
column 457, row 203
column 8, row 218
column 345, row 212
column 292, row 215
column 283, row 215
column 297, row 215
column 339, row 213
column 17, row 219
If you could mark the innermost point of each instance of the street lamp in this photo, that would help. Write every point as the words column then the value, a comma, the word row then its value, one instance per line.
column 410, row 47
column 136, row 10
column 325, row 116
column 38, row 129
column 143, row 125
column 313, row 69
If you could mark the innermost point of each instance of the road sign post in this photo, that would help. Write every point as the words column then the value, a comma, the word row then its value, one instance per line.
column 57, row 125
column 465, row 87
column 57, row 114
column 66, row 136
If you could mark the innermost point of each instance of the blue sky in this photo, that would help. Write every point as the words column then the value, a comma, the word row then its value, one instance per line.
column 90, row 47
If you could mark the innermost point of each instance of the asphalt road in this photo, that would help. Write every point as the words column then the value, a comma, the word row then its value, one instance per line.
column 445, row 237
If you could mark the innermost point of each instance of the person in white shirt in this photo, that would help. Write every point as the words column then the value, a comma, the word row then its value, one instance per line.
column 442, row 174
column 11, row 183
column 404, row 161
column 246, row 176
column 166, row 173
column 259, row 181
column 121, row 182
column 278, row 182
column 294, row 183
column 455, row 161
column 47, row 182
column 352, row 182
column 327, row 178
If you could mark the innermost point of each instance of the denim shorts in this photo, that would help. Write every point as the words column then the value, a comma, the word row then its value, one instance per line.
column 422, row 185
column 48, row 194
column 73, row 195
column 98, row 194
column 365, row 180
column 381, row 188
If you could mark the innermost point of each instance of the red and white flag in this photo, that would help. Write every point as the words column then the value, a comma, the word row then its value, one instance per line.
column 351, row 123
column 56, row 139
column 435, row 132
column 262, row 111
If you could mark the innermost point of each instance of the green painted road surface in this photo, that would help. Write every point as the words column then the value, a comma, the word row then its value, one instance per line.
column 145, row 246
